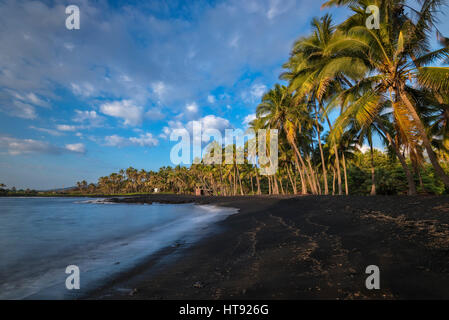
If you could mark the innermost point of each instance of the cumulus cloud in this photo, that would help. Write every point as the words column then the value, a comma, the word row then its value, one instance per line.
column 254, row 93
column 209, row 122
column 143, row 140
column 160, row 89
column 249, row 118
column 257, row 90
column 192, row 107
column 15, row 146
column 124, row 109
column 84, row 89
column 76, row 147
column 21, row 105
column 91, row 118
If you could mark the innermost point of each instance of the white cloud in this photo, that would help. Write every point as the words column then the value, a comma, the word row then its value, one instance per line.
column 66, row 127
column 14, row 146
column 22, row 110
column 254, row 93
column 249, row 118
column 91, row 117
column 208, row 122
column 32, row 98
column 143, row 140
column 124, row 109
column 278, row 7
column 115, row 141
column 84, row 89
column 160, row 89
column 76, row 147
column 192, row 107
column 211, row 99
column 257, row 90
column 69, row 46
column 49, row 131
column 213, row 122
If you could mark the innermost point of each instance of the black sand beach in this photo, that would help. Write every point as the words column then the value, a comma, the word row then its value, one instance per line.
column 303, row 248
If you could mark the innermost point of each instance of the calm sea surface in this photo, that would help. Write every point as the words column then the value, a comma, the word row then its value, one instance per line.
column 40, row 237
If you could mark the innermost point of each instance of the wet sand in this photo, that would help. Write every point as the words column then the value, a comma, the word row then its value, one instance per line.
column 302, row 247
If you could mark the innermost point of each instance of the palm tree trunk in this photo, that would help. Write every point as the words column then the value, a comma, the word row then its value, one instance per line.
column 422, row 132
column 252, row 186
column 333, row 182
column 275, row 183
column 373, row 177
column 345, row 174
column 240, row 181
column 269, row 184
column 318, row 184
column 337, row 161
column 312, row 179
column 291, row 180
column 301, row 176
column 257, row 181
column 326, row 188
column 410, row 180
column 280, row 183
column 235, row 181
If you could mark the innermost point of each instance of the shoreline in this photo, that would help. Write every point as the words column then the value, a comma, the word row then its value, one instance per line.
column 305, row 247
column 154, row 262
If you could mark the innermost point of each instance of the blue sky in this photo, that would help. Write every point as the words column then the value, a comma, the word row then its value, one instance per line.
column 79, row 104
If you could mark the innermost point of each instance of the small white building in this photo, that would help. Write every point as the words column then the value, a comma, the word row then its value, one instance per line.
column 156, row 190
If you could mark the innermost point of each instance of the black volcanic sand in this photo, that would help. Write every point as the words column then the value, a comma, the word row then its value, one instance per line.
column 303, row 248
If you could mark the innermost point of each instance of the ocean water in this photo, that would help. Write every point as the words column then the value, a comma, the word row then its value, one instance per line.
column 40, row 237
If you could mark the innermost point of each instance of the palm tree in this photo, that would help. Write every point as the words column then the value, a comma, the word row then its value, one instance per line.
column 277, row 112
column 309, row 76
column 390, row 61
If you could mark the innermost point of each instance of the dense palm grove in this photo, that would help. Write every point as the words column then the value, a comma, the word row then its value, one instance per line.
column 344, row 86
